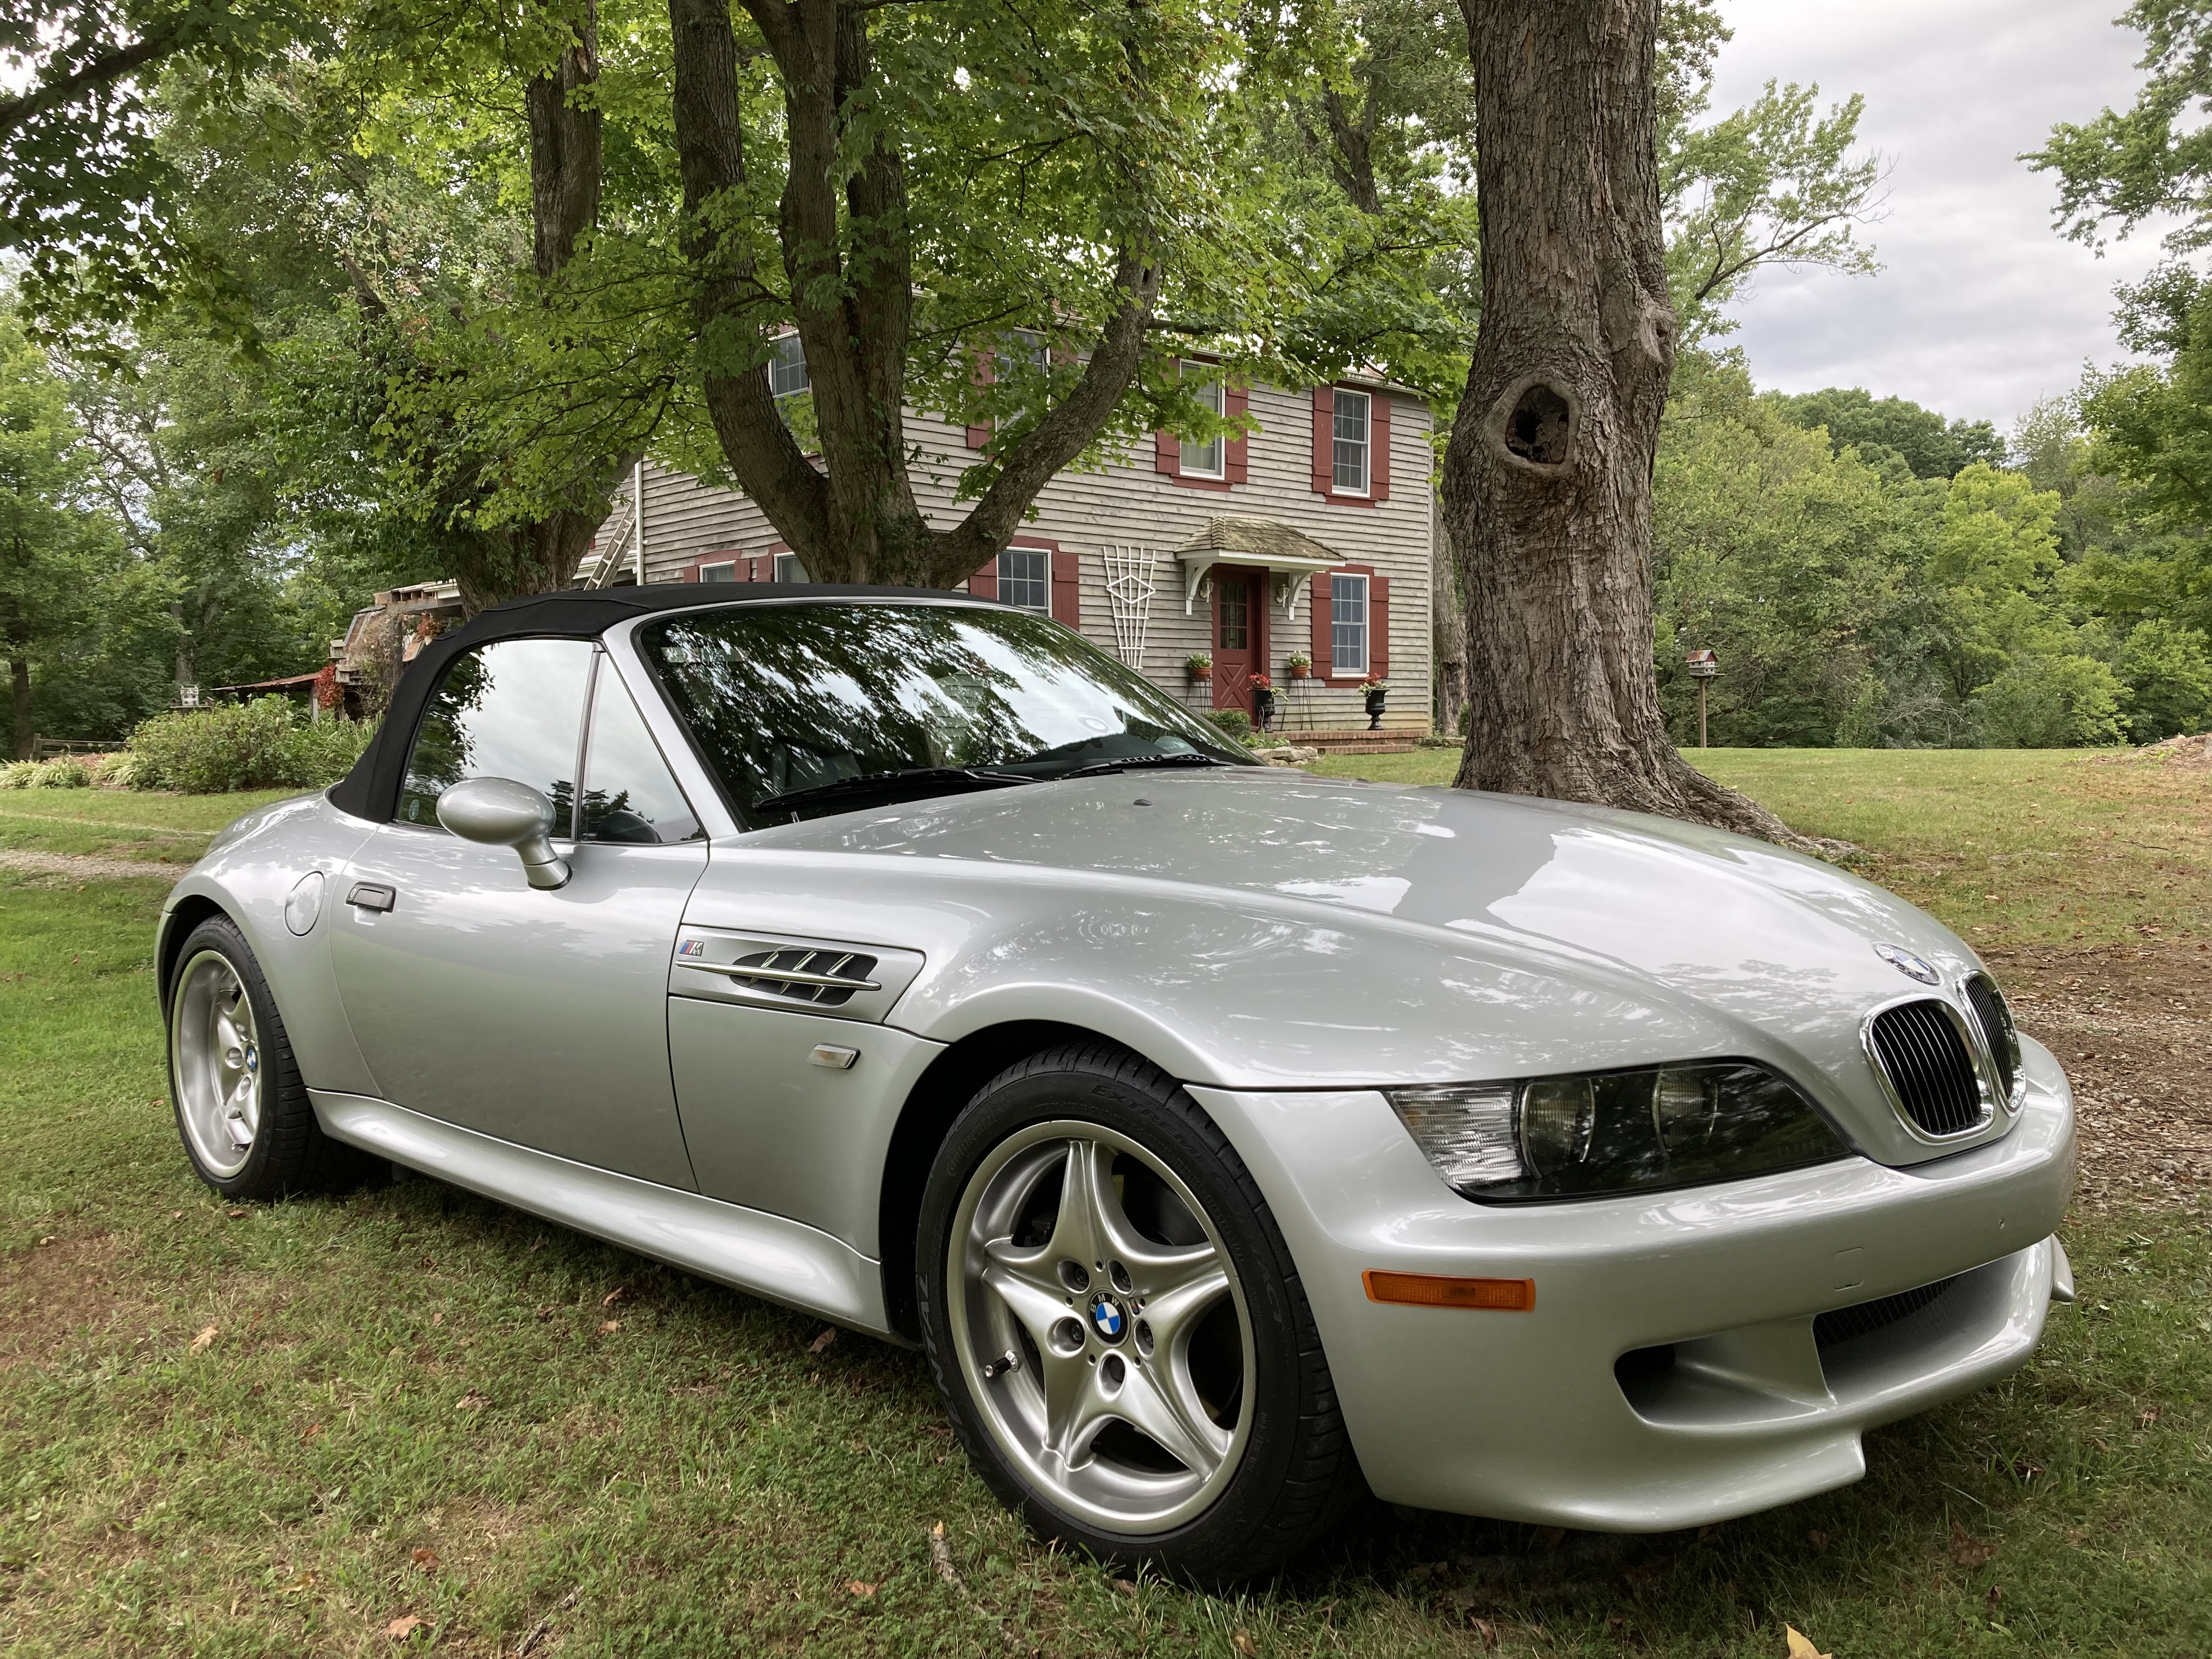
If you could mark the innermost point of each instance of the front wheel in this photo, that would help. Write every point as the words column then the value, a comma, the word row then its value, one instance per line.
column 1117, row 1326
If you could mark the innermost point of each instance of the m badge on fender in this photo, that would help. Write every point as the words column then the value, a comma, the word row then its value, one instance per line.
column 692, row 947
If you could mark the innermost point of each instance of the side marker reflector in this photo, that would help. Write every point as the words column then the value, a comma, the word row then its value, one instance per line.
column 1434, row 1290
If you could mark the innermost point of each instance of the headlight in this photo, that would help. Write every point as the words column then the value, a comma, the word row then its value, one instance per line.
column 1602, row 1133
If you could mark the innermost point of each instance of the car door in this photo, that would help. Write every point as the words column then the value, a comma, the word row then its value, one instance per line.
column 537, row 1017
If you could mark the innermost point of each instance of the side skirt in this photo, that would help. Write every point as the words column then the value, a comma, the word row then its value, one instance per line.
column 763, row 1255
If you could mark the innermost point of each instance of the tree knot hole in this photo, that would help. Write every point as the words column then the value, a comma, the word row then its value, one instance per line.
column 1538, row 428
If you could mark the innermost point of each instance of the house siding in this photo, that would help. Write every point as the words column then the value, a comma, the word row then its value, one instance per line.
column 1131, row 503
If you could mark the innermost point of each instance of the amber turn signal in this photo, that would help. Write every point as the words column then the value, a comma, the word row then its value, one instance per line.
column 1434, row 1290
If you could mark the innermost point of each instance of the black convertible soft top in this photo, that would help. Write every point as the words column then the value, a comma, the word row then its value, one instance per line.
column 371, row 790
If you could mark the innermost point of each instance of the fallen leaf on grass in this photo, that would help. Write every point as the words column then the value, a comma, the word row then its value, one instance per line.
column 2144, row 1419
column 406, row 1625
column 1969, row 1552
column 829, row 1335
column 237, row 1215
column 1819, row 1540
column 546, row 1312
column 313, row 1428
column 1244, row 1643
column 1488, row 1633
column 1802, row 1649
column 306, row 1581
column 1995, row 1596
column 201, row 1341
column 859, row 1588
column 426, row 1559
column 620, row 1293
column 940, row 1557
column 471, row 1402
column 1127, row 1587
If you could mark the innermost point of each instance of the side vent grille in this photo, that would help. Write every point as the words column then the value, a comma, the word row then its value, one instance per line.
column 1922, row 1052
column 1997, row 1030
column 1840, row 1325
column 823, row 979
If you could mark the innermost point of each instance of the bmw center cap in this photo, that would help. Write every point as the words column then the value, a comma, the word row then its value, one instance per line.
column 1107, row 1317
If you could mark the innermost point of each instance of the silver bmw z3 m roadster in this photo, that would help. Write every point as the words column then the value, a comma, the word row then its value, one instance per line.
column 1235, row 1142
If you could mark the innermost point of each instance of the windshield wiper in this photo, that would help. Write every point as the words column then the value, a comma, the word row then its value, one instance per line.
column 1130, row 763
column 891, row 785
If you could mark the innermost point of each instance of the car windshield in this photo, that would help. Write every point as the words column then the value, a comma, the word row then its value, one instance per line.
column 809, row 708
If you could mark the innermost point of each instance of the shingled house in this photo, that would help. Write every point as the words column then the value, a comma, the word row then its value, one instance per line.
column 1312, row 534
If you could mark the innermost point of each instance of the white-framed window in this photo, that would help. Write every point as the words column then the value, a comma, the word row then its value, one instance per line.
column 1027, row 347
column 787, row 368
column 788, row 568
column 1348, row 623
column 1208, row 459
column 1025, row 578
column 1355, row 416
column 718, row 573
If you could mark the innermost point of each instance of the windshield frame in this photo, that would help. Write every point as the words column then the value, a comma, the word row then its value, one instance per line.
column 740, row 818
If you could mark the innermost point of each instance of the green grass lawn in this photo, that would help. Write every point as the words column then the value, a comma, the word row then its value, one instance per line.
column 121, row 823
column 277, row 1430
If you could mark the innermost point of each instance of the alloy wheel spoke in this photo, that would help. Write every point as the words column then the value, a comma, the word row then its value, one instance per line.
column 1172, row 1316
column 1023, row 1280
column 1158, row 1400
column 1079, row 1234
column 1073, row 1413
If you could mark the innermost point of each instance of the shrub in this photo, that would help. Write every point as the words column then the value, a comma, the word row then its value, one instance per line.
column 262, row 745
column 120, row 770
column 66, row 773
column 2051, row 703
column 1233, row 723
column 17, row 774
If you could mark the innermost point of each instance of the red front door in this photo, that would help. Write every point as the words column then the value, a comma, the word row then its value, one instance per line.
column 1240, row 635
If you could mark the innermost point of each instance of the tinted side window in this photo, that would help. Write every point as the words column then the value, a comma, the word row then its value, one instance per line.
column 629, row 794
column 513, row 709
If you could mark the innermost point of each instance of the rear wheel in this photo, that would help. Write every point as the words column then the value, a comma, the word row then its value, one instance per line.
column 1117, row 1328
column 242, row 1110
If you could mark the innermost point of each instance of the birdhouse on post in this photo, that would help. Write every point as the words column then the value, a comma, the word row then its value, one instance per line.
column 1702, row 665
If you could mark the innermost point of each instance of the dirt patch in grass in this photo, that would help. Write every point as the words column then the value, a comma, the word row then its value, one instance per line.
column 2132, row 1024
column 50, row 1291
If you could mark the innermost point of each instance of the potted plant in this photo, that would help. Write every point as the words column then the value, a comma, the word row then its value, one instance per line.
column 1300, row 664
column 1374, row 691
column 1263, row 701
column 1200, row 665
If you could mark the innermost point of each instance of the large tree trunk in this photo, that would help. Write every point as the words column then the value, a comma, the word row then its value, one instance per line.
column 1547, row 475
column 854, row 518
column 566, row 167
column 1449, row 631
column 19, row 680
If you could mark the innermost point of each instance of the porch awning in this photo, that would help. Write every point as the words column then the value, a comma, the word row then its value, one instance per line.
column 1230, row 538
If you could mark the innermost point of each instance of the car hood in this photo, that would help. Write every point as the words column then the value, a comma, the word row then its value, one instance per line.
column 1721, row 916
column 1315, row 932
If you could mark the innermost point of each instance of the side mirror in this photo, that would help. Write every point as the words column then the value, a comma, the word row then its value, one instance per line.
column 501, row 812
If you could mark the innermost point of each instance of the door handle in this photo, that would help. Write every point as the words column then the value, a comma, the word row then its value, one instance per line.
column 372, row 896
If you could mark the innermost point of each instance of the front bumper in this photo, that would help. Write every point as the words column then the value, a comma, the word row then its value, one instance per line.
column 1523, row 1416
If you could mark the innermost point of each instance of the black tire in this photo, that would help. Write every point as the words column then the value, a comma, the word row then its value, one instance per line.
column 1297, row 1474
column 289, row 1153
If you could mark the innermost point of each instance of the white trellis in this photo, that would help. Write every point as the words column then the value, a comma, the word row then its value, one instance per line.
column 1130, row 588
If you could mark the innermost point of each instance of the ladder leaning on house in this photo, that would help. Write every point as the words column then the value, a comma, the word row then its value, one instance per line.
column 620, row 544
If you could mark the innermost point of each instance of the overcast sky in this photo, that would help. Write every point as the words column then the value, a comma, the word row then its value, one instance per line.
column 1979, row 309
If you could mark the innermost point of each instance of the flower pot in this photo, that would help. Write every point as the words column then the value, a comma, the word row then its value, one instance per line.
column 1298, row 673
column 1375, row 701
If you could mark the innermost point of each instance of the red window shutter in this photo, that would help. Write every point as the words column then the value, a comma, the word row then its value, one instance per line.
column 984, row 584
column 761, row 570
column 1324, row 438
column 1379, row 451
column 980, row 435
column 1379, row 626
column 1167, row 454
column 1321, row 607
column 1066, row 594
column 1235, row 401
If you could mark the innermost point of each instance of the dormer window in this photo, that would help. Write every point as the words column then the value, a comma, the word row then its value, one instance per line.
column 1354, row 445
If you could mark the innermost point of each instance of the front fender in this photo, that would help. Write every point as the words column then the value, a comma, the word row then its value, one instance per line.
column 247, row 875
